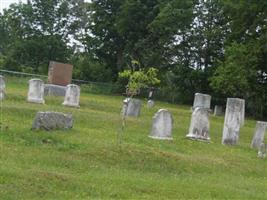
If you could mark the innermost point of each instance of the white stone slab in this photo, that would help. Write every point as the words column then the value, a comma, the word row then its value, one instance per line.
column 199, row 126
column 162, row 125
column 72, row 96
column 258, row 137
column 234, row 120
column 131, row 107
column 202, row 101
column 2, row 87
column 36, row 91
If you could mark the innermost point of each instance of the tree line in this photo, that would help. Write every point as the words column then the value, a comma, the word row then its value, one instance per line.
column 217, row 47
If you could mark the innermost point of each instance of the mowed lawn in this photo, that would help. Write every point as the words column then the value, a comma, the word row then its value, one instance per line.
column 87, row 162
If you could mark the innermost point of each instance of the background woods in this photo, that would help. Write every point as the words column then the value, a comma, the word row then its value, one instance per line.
column 215, row 47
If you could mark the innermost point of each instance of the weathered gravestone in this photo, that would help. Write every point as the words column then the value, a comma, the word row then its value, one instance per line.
column 259, row 134
column 202, row 101
column 150, row 103
column 2, row 88
column 234, row 119
column 54, row 90
column 262, row 150
column 218, row 110
column 36, row 91
column 162, row 125
column 72, row 96
column 52, row 120
column 59, row 73
column 131, row 107
column 199, row 126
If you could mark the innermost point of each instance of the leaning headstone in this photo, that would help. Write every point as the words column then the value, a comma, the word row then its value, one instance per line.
column 259, row 134
column 262, row 150
column 202, row 101
column 218, row 110
column 54, row 90
column 234, row 119
column 199, row 126
column 36, row 91
column 72, row 96
column 162, row 125
column 150, row 103
column 131, row 107
column 2, row 88
column 52, row 120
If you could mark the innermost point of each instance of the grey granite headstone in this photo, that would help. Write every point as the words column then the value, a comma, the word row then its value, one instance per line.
column 218, row 110
column 259, row 134
column 2, row 88
column 199, row 126
column 162, row 125
column 36, row 91
column 52, row 120
column 150, row 103
column 54, row 90
column 72, row 96
column 131, row 107
column 262, row 150
column 202, row 101
column 234, row 120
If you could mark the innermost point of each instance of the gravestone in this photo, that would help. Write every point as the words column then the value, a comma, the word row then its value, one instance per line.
column 54, row 90
column 72, row 96
column 59, row 73
column 52, row 120
column 234, row 119
column 150, row 103
column 199, row 126
column 162, row 125
column 36, row 91
column 259, row 134
column 2, row 88
column 262, row 150
column 202, row 101
column 218, row 110
column 131, row 107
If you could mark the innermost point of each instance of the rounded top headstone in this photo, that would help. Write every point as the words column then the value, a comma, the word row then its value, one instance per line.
column 162, row 125
column 35, row 79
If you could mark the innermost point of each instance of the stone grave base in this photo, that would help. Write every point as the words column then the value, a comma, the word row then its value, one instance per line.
column 54, row 90
column 160, row 138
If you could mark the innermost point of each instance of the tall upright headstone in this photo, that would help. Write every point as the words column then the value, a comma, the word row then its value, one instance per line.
column 234, row 120
column 202, row 101
column 36, row 91
column 162, row 125
column 2, row 88
column 199, row 126
column 131, row 107
column 259, row 134
column 72, row 96
column 59, row 73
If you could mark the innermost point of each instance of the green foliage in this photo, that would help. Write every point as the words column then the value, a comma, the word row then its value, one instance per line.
column 87, row 68
column 139, row 79
column 37, row 32
column 233, row 76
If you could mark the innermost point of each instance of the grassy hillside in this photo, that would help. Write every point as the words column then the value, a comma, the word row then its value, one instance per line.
column 87, row 163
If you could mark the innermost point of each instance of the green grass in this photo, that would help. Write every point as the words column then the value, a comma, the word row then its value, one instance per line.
column 87, row 163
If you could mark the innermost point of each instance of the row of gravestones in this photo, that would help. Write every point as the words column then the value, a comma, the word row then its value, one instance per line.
column 36, row 92
column 199, row 126
column 162, row 120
